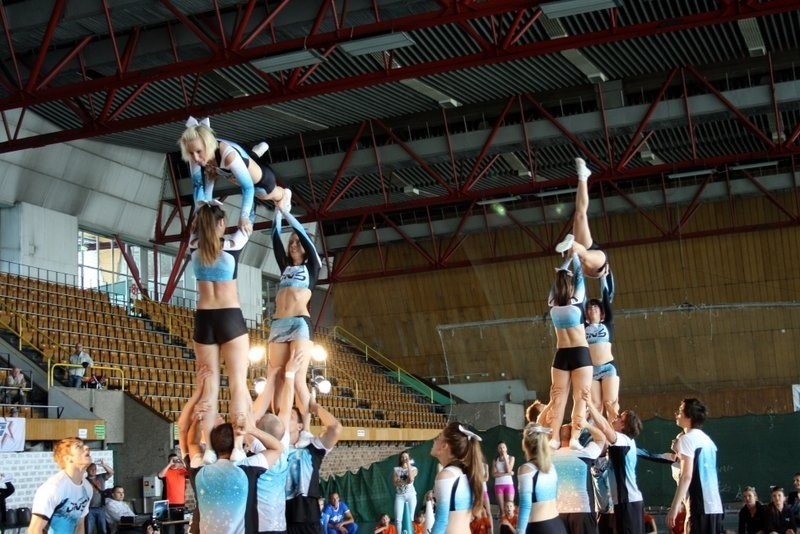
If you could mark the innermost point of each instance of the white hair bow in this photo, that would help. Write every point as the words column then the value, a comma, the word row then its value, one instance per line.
column 194, row 122
column 470, row 434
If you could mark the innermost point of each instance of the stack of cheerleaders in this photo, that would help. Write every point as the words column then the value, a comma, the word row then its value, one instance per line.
column 259, row 472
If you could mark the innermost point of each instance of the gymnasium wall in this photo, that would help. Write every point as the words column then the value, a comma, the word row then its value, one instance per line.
column 704, row 316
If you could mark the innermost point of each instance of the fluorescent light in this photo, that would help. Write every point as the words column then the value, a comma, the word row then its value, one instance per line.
column 543, row 194
column 378, row 43
column 566, row 8
column 688, row 174
column 489, row 201
column 747, row 166
column 289, row 60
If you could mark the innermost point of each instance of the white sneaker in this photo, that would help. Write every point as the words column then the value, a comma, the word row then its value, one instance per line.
column 285, row 203
column 574, row 444
column 582, row 169
column 555, row 444
column 261, row 148
column 565, row 244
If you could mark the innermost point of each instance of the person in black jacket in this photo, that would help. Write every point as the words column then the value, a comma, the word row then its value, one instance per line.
column 7, row 489
column 778, row 517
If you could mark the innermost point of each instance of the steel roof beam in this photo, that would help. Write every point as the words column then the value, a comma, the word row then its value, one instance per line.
column 224, row 58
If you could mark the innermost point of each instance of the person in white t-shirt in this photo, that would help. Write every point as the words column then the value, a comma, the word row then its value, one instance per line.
column 698, row 486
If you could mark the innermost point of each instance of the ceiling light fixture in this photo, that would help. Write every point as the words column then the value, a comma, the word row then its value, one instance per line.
column 556, row 192
column 748, row 166
column 377, row 43
column 689, row 174
column 567, row 8
column 489, row 201
column 289, row 60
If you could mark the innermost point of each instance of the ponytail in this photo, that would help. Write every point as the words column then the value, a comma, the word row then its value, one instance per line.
column 205, row 228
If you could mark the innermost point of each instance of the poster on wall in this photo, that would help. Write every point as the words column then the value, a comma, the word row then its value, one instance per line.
column 12, row 434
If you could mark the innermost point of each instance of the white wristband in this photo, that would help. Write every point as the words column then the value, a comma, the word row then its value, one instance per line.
column 289, row 374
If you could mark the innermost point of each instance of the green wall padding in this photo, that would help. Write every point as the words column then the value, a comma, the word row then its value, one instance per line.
column 754, row 450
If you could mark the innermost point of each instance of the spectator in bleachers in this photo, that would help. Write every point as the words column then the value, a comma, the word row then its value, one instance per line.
column 340, row 519
column 16, row 384
column 778, row 517
column 116, row 508
column 385, row 525
column 79, row 357
column 97, row 380
column 62, row 502
column 6, row 490
column 480, row 524
column 503, row 473
column 751, row 516
column 96, row 520
column 174, row 475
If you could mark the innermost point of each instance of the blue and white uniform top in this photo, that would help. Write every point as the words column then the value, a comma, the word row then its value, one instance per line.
column 304, row 275
column 603, row 331
column 62, row 503
column 622, row 471
column 453, row 494
column 222, row 490
column 226, row 265
column 572, row 314
column 270, row 491
column 238, row 169
column 704, row 485
column 534, row 486
column 575, row 483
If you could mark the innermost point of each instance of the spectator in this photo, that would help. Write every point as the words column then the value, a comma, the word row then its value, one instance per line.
column 403, row 476
column 508, row 518
column 385, row 525
column 340, row 520
column 751, row 516
column 778, row 517
column 174, row 475
column 16, row 384
column 480, row 523
column 62, row 502
column 116, row 508
column 97, row 380
column 6, row 490
column 650, row 524
column 794, row 499
column 150, row 527
column 79, row 357
column 419, row 523
column 680, row 522
column 96, row 520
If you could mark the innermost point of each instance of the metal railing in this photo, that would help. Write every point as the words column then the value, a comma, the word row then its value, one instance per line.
column 53, row 366
column 404, row 377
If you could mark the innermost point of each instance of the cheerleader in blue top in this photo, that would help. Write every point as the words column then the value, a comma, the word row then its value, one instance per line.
column 290, row 330
column 459, row 486
column 572, row 363
column 599, row 333
column 538, row 484
column 210, row 158
column 220, row 332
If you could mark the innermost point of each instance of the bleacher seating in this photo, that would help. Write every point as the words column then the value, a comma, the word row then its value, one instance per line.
column 151, row 345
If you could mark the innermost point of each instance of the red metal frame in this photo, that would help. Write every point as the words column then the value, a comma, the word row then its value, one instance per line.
column 237, row 50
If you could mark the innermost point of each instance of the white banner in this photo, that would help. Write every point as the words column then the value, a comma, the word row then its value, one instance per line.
column 796, row 397
column 12, row 434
